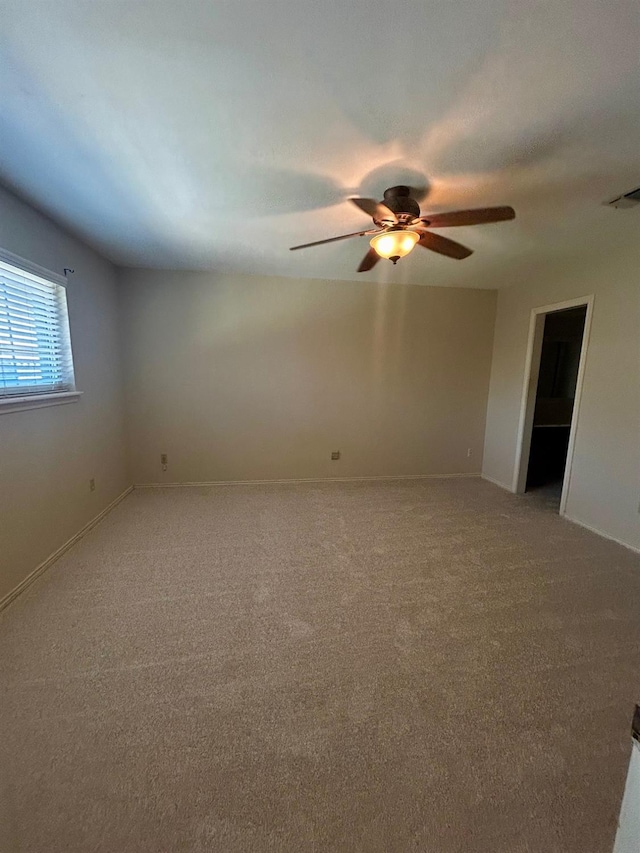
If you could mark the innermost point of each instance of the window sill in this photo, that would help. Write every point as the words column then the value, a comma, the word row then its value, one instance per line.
column 38, row 401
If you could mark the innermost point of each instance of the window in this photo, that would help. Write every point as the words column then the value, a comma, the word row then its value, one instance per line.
column 35, row 346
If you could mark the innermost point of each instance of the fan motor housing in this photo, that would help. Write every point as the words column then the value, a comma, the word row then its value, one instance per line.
column 398, row 199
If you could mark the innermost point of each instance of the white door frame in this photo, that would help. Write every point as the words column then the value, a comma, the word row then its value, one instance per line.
column 528, row 403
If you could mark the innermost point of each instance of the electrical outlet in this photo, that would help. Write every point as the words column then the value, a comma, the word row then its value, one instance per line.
column 163, row 458
column 92, row 485
column 335, row 454
column 468, row 452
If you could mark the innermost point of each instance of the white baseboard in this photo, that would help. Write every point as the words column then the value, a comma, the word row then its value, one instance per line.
column 30, row 578
column 497, row 483
column 602, row 533
column 304, row 480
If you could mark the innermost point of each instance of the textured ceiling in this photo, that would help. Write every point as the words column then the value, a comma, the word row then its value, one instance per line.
column 217, row 134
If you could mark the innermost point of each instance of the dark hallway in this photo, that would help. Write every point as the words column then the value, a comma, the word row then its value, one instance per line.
column 555, row 394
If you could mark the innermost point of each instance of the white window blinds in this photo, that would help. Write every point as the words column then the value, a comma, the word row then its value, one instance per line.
column 35, row 347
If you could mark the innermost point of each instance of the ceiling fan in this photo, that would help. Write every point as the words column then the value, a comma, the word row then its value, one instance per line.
column 399, row 227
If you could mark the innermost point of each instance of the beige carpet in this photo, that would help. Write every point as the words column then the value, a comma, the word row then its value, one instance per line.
column 403, row 666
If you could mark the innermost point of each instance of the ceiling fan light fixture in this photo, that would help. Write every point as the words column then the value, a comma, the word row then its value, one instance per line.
column 394, row 244
column 398, row 217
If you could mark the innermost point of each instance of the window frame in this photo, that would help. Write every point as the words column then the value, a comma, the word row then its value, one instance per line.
column 34, row 399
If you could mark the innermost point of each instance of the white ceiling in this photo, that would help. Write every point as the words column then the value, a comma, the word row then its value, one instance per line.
column 218, row 133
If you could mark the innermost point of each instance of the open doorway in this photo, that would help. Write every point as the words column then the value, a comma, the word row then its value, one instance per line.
column 555, row 365
column 555, row 396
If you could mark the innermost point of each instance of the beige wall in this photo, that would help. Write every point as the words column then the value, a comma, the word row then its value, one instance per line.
column 239, row 377
column 47, row 456
column 605, row 482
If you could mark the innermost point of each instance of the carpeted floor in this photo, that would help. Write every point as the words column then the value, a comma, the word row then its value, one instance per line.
column 400, row 666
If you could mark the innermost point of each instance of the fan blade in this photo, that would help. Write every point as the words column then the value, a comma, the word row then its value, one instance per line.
column 443, row 245
column 469, row 217
column 369, row 261
column 375, row 209
column 333, row 239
